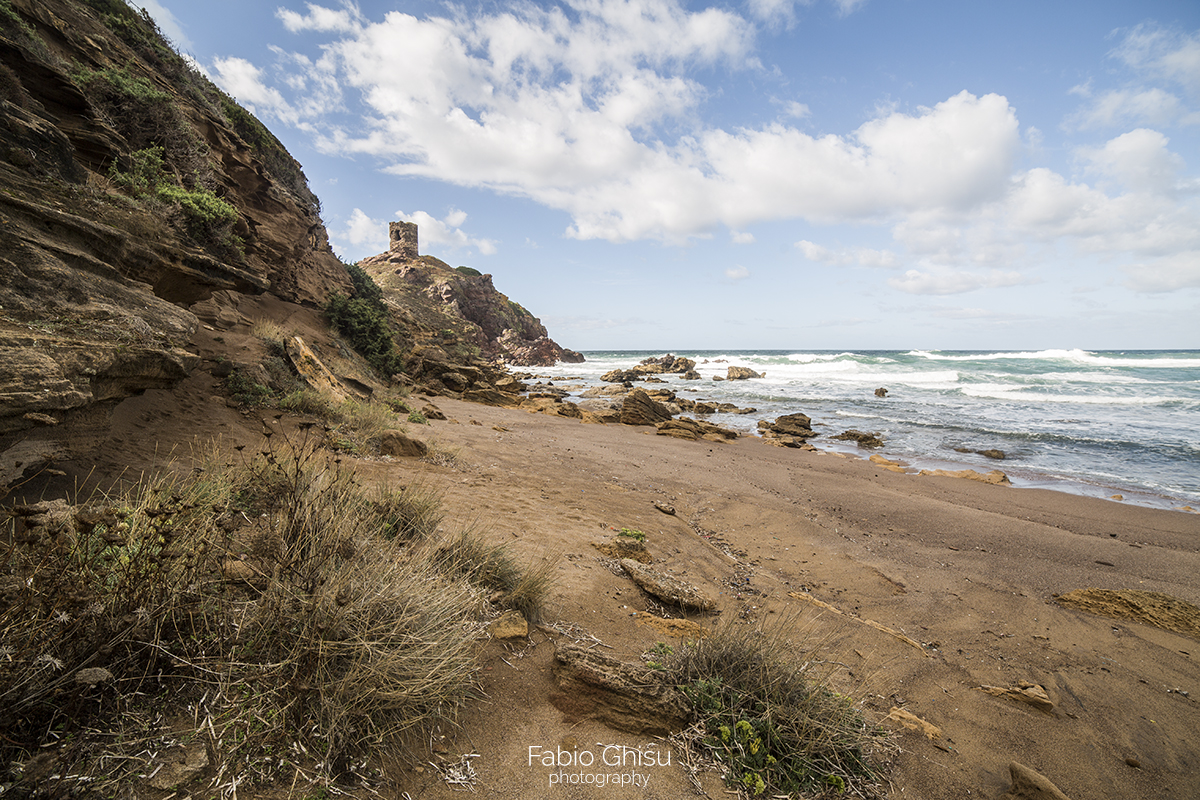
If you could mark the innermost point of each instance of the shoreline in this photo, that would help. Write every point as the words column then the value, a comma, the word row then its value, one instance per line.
column 828, row 419
column 1028, row 478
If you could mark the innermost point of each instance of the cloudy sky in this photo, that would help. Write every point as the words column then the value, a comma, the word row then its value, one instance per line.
column 784, row 174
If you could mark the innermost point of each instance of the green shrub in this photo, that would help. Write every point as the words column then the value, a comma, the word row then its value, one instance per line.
column 470, row 271
column 203, row 209
column 122, row 83
column 365, row 322
column 246, row 392
column 631, row 533
column 145, row 173
column 207, row 218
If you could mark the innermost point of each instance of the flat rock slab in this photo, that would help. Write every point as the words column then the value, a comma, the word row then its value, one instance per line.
column 509, row 625
column 1151, row 608
column 1031, row 693
column 667, row 587
column 1030, row 785
column 624, row 696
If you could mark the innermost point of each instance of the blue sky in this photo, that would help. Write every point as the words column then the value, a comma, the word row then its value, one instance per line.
column 831, row 174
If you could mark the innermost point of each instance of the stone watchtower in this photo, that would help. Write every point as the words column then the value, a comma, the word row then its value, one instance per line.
column 403, row 236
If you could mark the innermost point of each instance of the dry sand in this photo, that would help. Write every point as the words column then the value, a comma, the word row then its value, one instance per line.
column 958, row 578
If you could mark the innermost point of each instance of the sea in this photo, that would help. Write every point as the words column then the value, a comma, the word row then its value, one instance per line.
column 1099, row 423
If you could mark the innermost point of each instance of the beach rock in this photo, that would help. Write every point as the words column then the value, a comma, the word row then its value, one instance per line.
column 742, row 373
column 667, row 587
column 868, row 440
column 313, row 372
column 624, row 696
column 1150, row 608
column 780, row 440
column 1030, row 785
column 995, row 477
column 691, row 375
column 554, row 406
column 881, row 392
column 604, row 391
column 910, row 721
column 798, row 425
column 999, row 455
column 694, row 429
column 639, row 408
column 509, row 384
column 717, row 378
column 1032, row 693
column 492, row 397
column 620, row 376
column 680, row 628
column 509, row 625
column 892, row 466
column 664, row 364
column 395, row 443
column 430, row 411
column 625, row 547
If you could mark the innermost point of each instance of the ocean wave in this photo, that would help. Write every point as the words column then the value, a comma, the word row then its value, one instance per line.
column 1077, row 356
column 1022, row 394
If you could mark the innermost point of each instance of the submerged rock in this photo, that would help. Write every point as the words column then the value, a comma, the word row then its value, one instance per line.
column 863, row 439
column 742, row 373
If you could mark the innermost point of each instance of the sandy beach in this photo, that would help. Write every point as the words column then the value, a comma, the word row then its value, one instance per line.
column 911, row 592
column 967, row 571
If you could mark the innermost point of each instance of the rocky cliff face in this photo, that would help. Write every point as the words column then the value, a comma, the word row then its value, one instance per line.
column 148, row 222
column 131, row 189
column 461, row 312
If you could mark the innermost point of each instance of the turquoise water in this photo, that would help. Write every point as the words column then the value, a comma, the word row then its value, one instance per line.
column 1093, row 422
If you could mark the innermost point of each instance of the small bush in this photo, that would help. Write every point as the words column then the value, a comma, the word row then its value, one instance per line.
column 208, row 219
column 417, row 418
column 367, row 327
column 246, row 392
column 775, row 725
column 632, row 533
column 469, row 271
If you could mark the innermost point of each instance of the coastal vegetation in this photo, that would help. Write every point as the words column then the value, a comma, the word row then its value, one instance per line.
column 303, row 619
column 766, row 714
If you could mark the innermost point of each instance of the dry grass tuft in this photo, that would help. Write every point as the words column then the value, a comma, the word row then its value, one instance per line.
column 495, row 567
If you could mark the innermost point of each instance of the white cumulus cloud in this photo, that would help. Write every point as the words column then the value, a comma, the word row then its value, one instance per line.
column 596, row 108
